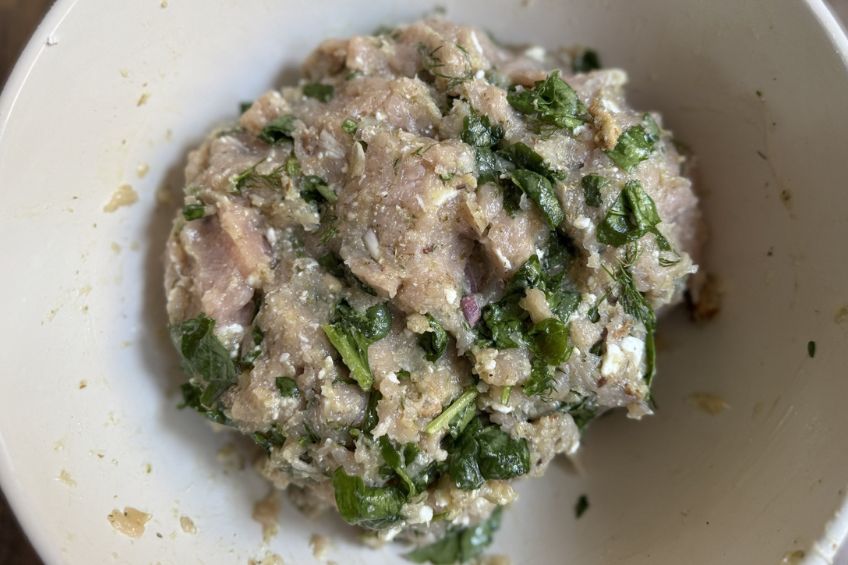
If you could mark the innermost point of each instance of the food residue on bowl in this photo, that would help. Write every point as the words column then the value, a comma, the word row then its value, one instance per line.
column 710, row 403
column 66, row 478
column 265, row 511
column 124, row 195
column 187, row 525
column 319, row 544
column 129, row 522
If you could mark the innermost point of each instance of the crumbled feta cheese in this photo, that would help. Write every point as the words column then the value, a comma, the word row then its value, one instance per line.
column 476, row 42
column 634, row 348
column 502, row 258
column 614, row 360
column 480, row 74
column 371, row 243
column 537, row 53
column 450, row 295
column 582, row 223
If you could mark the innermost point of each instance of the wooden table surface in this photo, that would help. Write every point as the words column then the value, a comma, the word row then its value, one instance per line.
column 18, row 18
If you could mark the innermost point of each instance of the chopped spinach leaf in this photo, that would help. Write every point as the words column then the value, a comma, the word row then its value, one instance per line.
column 541, row 380
column 540, row 191
column 287, row 387
column 350, row 126
column 434, row 341
column 397, row 461
column 636, row 144
column 551, row 101
column 371, row 417
column 278, row 130
column 459, row 422
column 194, row 211
column 352, row 332
column 366, row 506
column 486, row 452
column 321, row 92
column 491, row 165
column 631, row 216
column 204, row 357
column 269, row 439
column 585, row 61
column 459, row 545
column 592, row 185
column 551, row 342
column 456, row 409
column 524, row 157
column 503, row 323
column 478, row 131
column 581, row 506
column 315, row 189
column 191, row 399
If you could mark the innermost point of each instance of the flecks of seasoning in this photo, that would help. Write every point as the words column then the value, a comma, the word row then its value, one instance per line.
column 811, row 348
column 709, row 403
column 319, row 544
column 793, row 557
column 83, row 384
column 268, row 559
column 124, row 195
column 129, row 522
column 141, row 170
column 142, row 100
column 187, row 524
column 581, row 506
column 265, row 512
column 704, row 299
column 785, row 197
column 762, row 155
column 841, row 315
column 230, row 458
column 770, row 252
column 759, row 93
column 66, row 478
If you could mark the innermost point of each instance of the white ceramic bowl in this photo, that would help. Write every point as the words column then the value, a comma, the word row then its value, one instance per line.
column 763, row 480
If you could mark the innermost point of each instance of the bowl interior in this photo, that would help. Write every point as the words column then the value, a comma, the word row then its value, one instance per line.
column 87, row 415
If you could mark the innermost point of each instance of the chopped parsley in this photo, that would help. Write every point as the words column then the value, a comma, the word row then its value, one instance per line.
column 287, row 387
column 397, row 460
column 552, row 102
column 315, row 189
column 585, row 61
column 191, row 399
column 636, row 144
column 278, row 130
column 366, row 506
column 350, row 126
column 194, row 211
column 484, row 452
column 632, row 215
column 478, row 131
column 321, row 92
column 204, row 358
column 352, row 332
column 251, row 178
column 550, row 341
column 592, row 185
column 269, row 439
column 456, row 410
column 459, row 545
column 540, row 191
column 434, row 341
column 257, row 336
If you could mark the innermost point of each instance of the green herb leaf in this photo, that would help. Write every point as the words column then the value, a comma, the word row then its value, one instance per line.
column 462, row 463
column 581, row 506
column 636, row 144
column 204, row 357
column 551, row 101
column 251, row 178
column 244, row 106
column 191, row 399
column 350, row 126
column 633, row 301
column 397, row 461
column 457, row 408
column 351, row 333
column 483, row 453
column 551, row 342
column 503, row 323
column 371, row 417
column 478, row 131
column 592, row 185
column 287, row 387
column 269, row 439
column 193, row 211
column 278, row 130
column 540, row 191
column 257, row 337
column 321, row 92
column 631, row 216
column 524, row 157
column 315, row 189
column 365, row 506
column 583, row 411
column 585, row 61
column 541, row 380
column 459, row 546
column 434, row 342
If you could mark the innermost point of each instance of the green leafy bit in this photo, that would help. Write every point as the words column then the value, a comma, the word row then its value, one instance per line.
column 581, row 506
column 635, row 304
column 583, row 411
column 486, row 452
column 349, row 126
column 315, row 189
column 371, row 417
column 434, row 341
column 352, row 332
column 334, row 265
column 278, row 130
column 403, row 375
column 321, row 92
column 636, row 144
column 551, row 101
column 541, row 380
column 524, row 157
column 592, row 185
column 540, row 191
column 585, row 61
column 459, row 545
column 251, row 178
column 505, row 394
column 811, row 349
column 478, row 131
column 204, row 357
column 397, row 460
column 269, row 439
column 287, row 387
column 245, row 106
column 194, row 211
column 456, row 409
column 257, row 336
column 631, row 216
column 551, row 341
column 191, row 399
column 366, row 506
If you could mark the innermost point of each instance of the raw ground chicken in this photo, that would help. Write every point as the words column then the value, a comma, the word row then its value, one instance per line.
column 395, row 177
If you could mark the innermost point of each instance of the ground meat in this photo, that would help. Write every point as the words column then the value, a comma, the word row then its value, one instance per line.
column 365, row 191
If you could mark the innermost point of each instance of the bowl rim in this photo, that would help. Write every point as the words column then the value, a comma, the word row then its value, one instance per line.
column 822, row 550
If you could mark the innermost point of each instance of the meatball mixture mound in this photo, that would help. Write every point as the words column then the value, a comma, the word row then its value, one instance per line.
column 419, row 274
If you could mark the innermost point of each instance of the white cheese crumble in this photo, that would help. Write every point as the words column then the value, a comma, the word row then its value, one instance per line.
column 371, row 244
column 450, row 295
column 582, row 223
column 537, row 53
column 614, row 360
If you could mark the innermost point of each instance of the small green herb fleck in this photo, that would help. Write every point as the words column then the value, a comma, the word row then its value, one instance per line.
column 631, row 216
column 585, row 61
column 551, row 101
column 371, row 417
column 351, row 333
column 315, row 189
column 403, row 375
column 540, row 191
column 269, row 439
column 204, row 358
column 350, row 126
column 366, row 506
column 636, row 144
column 457, row 408
column 244, row 106
column 397, row 461
column 434, row 341
column 582, row 411
column 581, row 506
column 191, row 399
column 592, row 185
column 321, row 92
column 459, row 545
column 193, row 211
column 478, row 131
column 505, row 394
column 278, row 130
column 551, row 341
column 811, row 349
column 292, row 166
column 287, row 387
